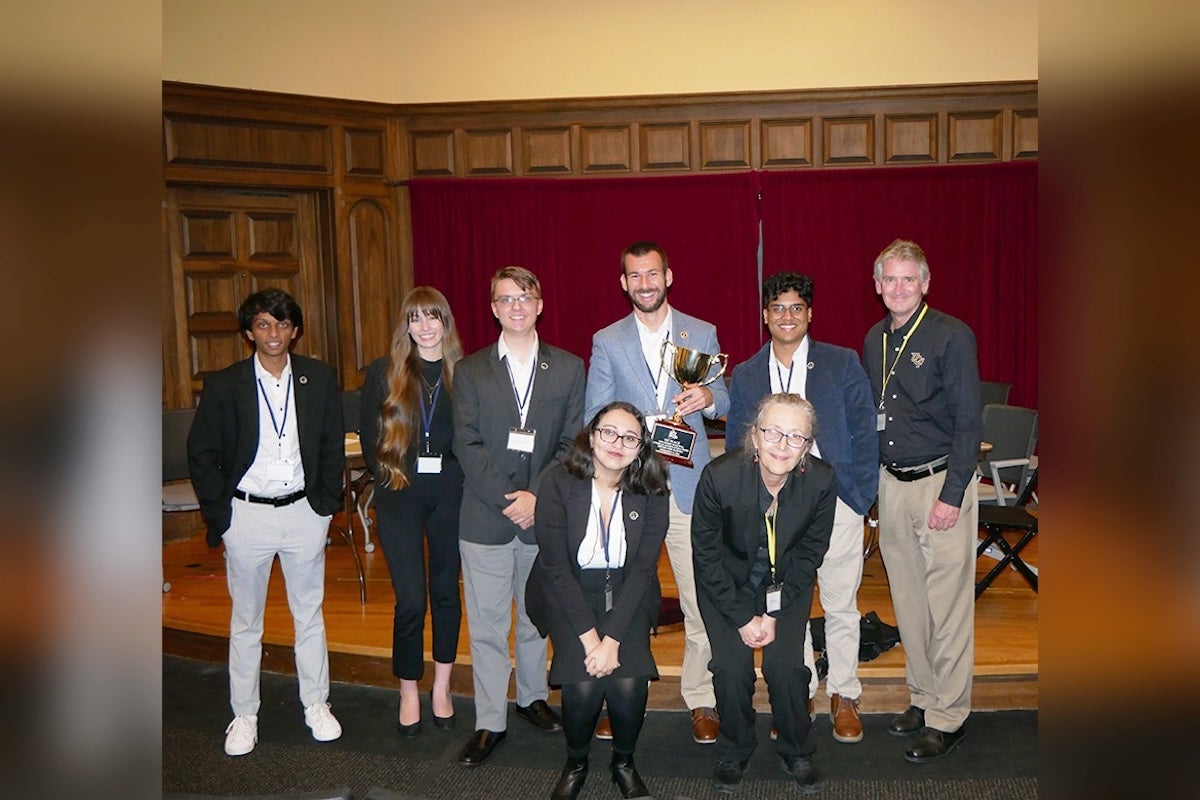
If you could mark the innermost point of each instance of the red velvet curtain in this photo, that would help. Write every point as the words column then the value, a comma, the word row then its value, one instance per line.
column 571, row 234
column 977, row 225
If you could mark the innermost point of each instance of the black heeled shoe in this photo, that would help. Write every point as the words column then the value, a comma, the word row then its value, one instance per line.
column 407, row 731
column 625, row 776
column 570, row 782
column 441, row 723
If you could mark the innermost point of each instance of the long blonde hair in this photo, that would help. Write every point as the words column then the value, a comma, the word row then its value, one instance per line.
column 400, row 406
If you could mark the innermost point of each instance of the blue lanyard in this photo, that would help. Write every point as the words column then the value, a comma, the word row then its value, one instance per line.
column 427, row 414
column 779, row 373
column 528, row 389
column 605, row 528
column 286, row 395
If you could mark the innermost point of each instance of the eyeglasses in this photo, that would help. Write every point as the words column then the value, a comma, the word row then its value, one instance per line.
column 628, row 440
column 778, row 309
column 506, row 300
column 794, row 440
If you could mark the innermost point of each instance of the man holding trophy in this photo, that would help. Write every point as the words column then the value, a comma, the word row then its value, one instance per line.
column 668, row 364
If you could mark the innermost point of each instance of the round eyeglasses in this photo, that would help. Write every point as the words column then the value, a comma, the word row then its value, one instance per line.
column 794, row 440
column 628, row 440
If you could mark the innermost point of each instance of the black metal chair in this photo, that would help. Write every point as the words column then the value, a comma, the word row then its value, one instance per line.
column 177, row 492
column 994, row 522
column 1013, row 433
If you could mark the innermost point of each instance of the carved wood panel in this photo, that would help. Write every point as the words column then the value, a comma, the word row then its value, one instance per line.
column 546, row 151
column 224, row 247
column 848, row 140
column 976, row 136
column 606, row 148
column 237, row 143
column 1025, row 134
column 725, row 145
column 910, row 139
column 787, row 142
column 666, row 146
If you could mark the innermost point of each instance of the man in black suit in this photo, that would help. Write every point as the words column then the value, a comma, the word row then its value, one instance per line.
column 518, row 403
column 266, row 454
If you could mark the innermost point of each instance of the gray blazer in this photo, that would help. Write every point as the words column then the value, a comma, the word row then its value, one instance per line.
column 618, row 371
column 485, row 410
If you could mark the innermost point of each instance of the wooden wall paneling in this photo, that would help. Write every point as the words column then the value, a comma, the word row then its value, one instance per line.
column 546, row 151
column 489, row 152
column 725, row 144
column 786, row 142
column 848, row 140
column 242, row 143
column 433, row 154
column 367, row 324
column 664, row 146
column 606, row 148
column 975, row 136
column 1025, row 134
column 910, row 138
column 364, row 152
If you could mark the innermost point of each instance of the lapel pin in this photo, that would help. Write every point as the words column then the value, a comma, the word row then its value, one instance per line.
column 303, row 379
column 811, row 365
column 633, row 515
column 544, row 365
column 683, row 335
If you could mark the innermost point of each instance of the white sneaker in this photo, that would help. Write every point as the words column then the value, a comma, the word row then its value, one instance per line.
column 325, row 727
column 241, row 735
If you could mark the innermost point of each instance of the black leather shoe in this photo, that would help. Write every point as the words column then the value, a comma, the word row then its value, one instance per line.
column 570, row 782
column 408, row 731
column 727, row 776
column 480, row 748
column 802, row 772
column 932, row 744
column 908, row 723
column 541, row 716
column 625, row 776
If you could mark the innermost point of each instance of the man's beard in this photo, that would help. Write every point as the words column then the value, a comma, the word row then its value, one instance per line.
column 655, row 306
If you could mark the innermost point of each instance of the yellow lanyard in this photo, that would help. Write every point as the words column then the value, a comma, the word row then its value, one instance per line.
column 890, row 372
column 769, row 518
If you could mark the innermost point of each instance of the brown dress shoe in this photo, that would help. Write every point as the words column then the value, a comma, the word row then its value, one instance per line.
column 705, row 724
column 812, row 717
column 604, row 728
column 847, row 727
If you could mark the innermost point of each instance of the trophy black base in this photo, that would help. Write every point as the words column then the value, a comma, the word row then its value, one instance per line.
column 674, row 441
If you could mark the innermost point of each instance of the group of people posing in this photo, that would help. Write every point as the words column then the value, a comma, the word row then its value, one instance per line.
column 543, row 485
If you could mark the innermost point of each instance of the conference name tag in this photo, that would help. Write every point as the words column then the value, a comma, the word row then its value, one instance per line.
column 429, row 465
column 521, row 440
column 774, row 598
column 281, row 471
column 881, row 421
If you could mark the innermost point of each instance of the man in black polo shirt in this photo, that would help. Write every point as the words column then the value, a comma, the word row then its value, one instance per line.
column 925, row 378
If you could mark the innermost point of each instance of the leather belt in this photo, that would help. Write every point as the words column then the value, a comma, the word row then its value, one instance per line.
column 285, row 500
column 917, row 473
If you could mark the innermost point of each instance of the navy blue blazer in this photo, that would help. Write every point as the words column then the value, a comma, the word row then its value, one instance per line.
column 223, row 440
column 838, row 388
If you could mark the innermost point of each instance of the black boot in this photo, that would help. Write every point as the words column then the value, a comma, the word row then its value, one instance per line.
column 570, row 782
column 625, row 776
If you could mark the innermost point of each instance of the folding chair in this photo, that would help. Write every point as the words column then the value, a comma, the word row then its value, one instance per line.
column 995, row 521
column 1012, row 431
column 360, row 483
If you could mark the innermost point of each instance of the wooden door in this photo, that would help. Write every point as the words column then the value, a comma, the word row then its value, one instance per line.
column 224, row 246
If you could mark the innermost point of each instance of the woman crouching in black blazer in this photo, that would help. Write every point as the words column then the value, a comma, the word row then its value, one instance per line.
column 601, row 522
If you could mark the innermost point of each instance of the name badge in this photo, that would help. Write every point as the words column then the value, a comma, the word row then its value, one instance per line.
column 520, row 440
column 774, row 598
column 652, row 420
column 280, row 471
column 881, row 421
column 429, row 465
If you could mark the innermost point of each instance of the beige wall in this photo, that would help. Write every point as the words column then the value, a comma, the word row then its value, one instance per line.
column 411, row 51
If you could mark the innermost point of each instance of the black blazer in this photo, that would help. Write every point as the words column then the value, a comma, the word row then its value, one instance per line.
column 727, row 523
column 224, row 438
column 563, row 508
column 484, row 413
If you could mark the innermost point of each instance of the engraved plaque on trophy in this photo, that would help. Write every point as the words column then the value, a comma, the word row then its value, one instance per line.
column 673, row 438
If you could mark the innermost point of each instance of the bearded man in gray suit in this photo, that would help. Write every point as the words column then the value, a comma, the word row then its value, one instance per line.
column 627, row 365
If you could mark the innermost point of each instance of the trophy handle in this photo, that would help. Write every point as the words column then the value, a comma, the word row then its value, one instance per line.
column 724, row 359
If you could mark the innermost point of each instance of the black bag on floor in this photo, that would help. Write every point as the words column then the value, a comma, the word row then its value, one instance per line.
column 875, row 637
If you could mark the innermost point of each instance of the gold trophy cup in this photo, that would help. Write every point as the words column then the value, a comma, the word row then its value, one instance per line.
column 673, row 438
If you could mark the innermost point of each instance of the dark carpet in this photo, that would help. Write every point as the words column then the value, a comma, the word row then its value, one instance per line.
column 996, row 760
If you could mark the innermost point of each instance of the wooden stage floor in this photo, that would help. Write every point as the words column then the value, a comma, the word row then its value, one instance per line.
column 196, row 624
